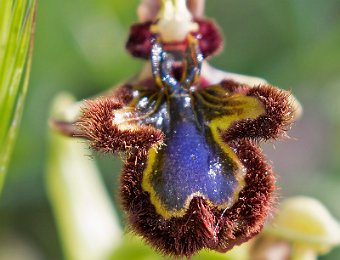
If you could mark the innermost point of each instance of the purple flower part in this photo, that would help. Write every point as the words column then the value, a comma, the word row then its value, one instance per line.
column 139, row 43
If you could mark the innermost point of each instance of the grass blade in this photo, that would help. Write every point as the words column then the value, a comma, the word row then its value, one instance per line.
column 17, row 23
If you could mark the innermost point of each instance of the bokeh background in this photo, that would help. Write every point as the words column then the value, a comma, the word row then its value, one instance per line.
column 79, row 48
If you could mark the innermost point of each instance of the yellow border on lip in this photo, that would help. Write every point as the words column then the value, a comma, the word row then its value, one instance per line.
column 254, row 109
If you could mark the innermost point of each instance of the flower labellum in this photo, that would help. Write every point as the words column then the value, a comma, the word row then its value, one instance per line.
column 194, row 175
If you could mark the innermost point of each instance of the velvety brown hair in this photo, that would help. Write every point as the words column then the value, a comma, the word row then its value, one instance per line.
column 203, row 225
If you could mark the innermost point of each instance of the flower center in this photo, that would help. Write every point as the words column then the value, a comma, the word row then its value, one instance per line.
column 175, row 21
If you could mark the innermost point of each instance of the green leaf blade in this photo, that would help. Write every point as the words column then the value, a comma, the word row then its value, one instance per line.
column 17, row 23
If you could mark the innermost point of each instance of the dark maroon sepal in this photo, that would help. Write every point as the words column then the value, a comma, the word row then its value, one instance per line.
column 210, row 38
column 139, row 43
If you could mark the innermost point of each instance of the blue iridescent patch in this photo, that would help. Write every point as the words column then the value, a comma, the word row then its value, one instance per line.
column 190, row 163
column 194, row 160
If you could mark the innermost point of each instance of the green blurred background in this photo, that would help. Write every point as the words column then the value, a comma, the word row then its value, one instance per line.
column 79, row 48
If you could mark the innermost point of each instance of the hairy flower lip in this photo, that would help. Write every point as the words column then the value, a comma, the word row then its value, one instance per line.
column 210, row 227
column 219, row 230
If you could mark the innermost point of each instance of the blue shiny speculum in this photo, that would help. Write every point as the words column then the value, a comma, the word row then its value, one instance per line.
column 191, row 162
